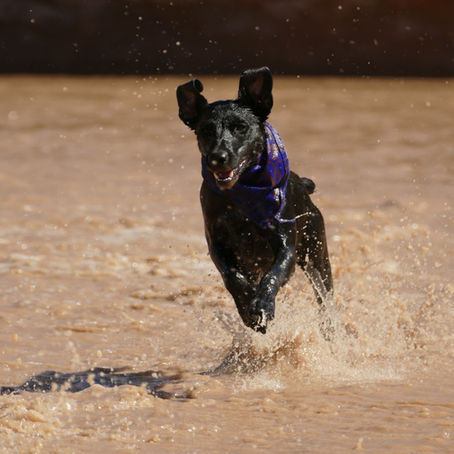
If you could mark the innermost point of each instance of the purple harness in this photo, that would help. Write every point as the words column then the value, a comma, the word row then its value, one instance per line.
column 261, row 189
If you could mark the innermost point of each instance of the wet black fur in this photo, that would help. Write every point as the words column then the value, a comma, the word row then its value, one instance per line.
column 254, row 263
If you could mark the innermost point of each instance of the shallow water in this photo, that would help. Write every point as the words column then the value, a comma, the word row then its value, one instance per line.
column 103, row 264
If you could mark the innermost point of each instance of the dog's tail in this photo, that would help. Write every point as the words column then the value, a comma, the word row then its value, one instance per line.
column 308, row 184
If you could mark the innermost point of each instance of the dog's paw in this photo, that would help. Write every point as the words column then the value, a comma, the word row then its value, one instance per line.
column 327, row 329
column 326, row 324
column 258, row 322
column 258, row 327
column 261, row 311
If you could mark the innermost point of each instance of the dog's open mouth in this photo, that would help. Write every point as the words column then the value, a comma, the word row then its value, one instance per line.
column 227, row 178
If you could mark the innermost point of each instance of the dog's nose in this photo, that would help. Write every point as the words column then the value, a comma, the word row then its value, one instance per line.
column 219, row 158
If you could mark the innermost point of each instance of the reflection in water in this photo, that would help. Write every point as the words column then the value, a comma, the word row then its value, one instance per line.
column 74, row 382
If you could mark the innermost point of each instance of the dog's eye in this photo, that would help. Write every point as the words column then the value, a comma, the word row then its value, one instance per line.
column 239, row 129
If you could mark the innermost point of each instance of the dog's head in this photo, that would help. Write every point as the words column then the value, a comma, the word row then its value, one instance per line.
column 230, row 134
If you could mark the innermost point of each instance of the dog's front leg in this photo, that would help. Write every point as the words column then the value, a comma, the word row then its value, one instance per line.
column 235, row 282
column 262, row 306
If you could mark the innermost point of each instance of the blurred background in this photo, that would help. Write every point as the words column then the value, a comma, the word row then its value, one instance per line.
column 333, row 37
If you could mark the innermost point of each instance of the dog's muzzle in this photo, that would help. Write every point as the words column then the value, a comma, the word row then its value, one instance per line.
column 226, row 178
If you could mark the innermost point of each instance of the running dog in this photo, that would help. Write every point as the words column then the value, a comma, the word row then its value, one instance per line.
column 259, row 218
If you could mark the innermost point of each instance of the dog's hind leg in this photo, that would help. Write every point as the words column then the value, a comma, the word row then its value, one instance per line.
column 326, row 309
column 314, row 260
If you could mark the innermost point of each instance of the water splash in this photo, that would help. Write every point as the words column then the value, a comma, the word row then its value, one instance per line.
column 378, row 337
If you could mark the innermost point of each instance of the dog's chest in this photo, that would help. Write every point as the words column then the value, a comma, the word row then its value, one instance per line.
column 249, row 243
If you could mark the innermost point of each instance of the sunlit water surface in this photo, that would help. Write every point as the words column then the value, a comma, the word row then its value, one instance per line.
column 103, row 263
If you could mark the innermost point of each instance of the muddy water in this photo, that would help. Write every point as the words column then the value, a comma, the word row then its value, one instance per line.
column 103, row 264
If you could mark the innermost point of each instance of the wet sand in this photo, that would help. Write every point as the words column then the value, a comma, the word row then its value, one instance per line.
column 103, row 263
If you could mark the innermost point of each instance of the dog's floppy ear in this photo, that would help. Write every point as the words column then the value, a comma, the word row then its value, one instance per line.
column 190, row 102
column 255, row 91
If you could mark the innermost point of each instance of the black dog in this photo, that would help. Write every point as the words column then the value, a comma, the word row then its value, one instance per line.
column 259, row 218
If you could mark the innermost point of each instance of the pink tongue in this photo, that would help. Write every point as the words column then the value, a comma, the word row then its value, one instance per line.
column 224, row 175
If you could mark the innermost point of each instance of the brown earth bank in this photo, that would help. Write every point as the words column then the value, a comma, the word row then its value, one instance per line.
column 355, row 37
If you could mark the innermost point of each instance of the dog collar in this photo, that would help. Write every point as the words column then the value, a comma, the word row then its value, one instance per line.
column 261, row 189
